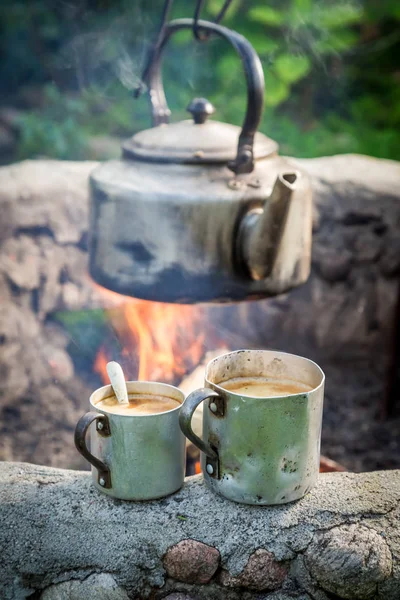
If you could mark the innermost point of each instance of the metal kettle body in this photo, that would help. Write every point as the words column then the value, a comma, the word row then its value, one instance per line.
column 181, row 218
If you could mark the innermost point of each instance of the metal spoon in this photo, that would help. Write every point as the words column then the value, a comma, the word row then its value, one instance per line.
column 118, row 383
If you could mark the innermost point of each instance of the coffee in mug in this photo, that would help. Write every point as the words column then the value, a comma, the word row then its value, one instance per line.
column 137, row 449
column 261, row 425
column 139, row 404
column 264, row 387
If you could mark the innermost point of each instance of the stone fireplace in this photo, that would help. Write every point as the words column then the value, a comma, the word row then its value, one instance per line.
column 61, row 539
column 57, row 328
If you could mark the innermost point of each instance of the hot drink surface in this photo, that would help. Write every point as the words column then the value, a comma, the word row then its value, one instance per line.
column 264, row 387
column 139, row 404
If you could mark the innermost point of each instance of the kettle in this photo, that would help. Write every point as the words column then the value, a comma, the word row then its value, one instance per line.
column 200, row 211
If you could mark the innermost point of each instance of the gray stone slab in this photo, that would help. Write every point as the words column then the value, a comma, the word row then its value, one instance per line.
column 55, row 527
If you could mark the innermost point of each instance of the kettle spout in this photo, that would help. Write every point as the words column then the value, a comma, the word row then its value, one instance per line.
column 261, row 230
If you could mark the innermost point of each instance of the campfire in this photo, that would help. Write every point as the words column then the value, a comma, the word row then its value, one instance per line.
column 155, row 341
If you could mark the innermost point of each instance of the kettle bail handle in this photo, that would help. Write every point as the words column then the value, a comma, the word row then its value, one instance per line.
column 244, row 161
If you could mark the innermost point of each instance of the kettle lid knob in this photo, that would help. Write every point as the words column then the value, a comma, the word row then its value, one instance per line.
column 201, row 109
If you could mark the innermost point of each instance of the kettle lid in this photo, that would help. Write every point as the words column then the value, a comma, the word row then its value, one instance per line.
column 199, row 141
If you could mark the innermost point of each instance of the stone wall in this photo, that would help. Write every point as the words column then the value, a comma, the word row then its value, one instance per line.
column 61, row 539
column 43, row 269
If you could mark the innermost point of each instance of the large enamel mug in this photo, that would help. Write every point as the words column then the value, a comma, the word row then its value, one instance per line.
column 258, row 450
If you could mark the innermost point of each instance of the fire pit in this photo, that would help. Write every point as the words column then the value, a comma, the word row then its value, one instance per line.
column 54, row 327
column 51, row 336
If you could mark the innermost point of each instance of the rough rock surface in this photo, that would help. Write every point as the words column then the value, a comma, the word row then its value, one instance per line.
column 349, row 561
column 43, row 257
column 99, row 587
column 57, row 530
column 262, row 572
column 178, row 596
column 191, row 561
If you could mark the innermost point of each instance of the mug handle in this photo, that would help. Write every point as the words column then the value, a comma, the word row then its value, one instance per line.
column 103, row 429
column 185, row 422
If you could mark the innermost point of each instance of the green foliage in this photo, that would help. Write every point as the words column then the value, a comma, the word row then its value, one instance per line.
column 54, row 132
column 276, row 89
column 291, row 68
column 337, row 16
column 331, row 74
column 86, row 331
column 267, row 16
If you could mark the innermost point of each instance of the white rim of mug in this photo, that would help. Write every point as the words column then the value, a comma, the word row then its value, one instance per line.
column 165, row 412
column 254, row 351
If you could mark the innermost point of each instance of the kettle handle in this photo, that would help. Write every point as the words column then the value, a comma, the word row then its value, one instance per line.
column 244, row 161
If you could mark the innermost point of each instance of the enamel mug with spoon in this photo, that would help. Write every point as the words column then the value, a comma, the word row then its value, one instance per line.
column 137, row 449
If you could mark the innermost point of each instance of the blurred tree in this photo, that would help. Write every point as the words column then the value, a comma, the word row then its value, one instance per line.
column 330, row 68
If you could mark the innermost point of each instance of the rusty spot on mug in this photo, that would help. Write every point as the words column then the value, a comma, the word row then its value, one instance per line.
column 213, row 439
column 288, row 466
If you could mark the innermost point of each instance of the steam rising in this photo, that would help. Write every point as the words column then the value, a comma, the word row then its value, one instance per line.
column 116, row 51
column 127, row 70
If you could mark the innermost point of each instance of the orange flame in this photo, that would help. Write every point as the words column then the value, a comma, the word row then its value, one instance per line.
column 100, row 364
column 159, row 341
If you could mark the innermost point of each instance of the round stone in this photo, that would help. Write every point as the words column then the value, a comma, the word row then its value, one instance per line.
column 261, row 573
column 191, row 561
column 210, row 469
column 101, row 586
column 349, row 561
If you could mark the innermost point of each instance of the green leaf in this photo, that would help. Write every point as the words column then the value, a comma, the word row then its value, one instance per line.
column 291, row 68
column 339, row 15
column 267, row 16
column 263, row 44
column 214, row 6
column 302, row 6
column 276, row 91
